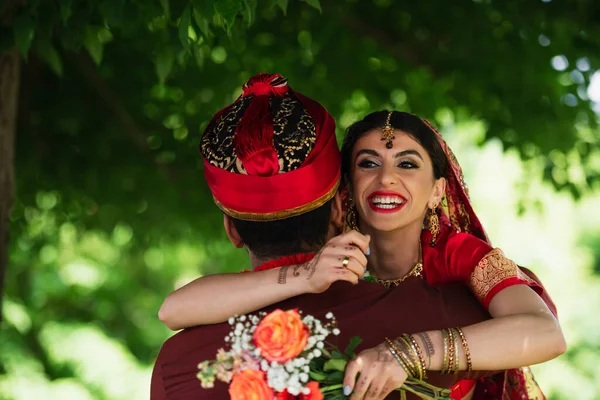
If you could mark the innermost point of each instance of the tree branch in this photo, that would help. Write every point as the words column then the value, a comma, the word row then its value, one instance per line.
column 9, row 95
column 114, row 102
column 397, row 48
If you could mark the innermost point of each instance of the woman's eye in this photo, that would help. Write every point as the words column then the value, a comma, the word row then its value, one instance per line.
column 367, row 164
column 407, row 165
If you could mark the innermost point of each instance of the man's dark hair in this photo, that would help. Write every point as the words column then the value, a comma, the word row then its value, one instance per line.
column 304, row 233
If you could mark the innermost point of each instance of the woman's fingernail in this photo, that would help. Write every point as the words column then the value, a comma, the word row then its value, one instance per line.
column 368, row 252
column 347, row 390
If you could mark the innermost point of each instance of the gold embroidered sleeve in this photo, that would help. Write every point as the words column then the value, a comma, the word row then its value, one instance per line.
column 493, row 269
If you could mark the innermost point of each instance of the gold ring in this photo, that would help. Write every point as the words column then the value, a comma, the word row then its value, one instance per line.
column 346, row 262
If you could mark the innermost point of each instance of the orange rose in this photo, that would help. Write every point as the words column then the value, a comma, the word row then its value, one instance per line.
column 250, row 385
column 315, row 392
column 281, row 335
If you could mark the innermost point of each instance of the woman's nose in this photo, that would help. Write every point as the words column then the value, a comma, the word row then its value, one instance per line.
column 388, row 176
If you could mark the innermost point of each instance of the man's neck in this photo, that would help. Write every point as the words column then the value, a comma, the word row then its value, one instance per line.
column 256, row 261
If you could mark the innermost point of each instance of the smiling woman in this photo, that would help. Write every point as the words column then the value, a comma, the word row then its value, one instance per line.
column 399, row 171
column 373, row 174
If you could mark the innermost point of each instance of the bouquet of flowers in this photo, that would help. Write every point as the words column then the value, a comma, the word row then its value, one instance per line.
column 283, row 355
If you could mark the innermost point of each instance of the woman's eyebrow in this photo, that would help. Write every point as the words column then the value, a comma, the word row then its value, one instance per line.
column 408, row 152
column 367, row 151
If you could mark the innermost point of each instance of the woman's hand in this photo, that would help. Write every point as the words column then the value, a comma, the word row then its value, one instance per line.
column 380, row 374
column 328, row 265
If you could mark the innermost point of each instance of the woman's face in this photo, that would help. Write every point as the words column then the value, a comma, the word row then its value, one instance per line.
column 392, row 188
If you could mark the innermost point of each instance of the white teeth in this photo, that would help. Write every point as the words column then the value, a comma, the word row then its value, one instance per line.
column 383, row 200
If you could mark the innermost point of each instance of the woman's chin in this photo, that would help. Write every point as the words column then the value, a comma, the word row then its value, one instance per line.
column 385, row 226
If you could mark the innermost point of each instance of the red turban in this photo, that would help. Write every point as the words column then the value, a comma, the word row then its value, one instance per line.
column 272, row 154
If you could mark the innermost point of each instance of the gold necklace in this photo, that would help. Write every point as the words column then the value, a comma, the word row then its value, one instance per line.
column 415, row 271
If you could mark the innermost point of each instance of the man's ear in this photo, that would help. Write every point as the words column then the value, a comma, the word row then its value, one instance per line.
column 337, row 213
column 232, row 233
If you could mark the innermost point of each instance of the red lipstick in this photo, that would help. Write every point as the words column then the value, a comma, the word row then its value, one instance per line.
column 386, row 202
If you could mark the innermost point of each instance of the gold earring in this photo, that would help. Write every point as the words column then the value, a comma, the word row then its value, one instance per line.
column 434, row 225
column 350, row 220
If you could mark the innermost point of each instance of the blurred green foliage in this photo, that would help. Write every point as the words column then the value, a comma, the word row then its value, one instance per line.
column 112, row 211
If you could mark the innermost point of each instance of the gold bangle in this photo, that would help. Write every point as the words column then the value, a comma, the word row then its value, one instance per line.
column 390, row 346
column 451, row 351
column 453, row 366
column 419, row 354
column 466, row 348
column 404, row 351
column 445, row 362
column 456, row 348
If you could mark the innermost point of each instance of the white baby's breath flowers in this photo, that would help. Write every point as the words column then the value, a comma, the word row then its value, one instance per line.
column 264, row 365
column 303, row 377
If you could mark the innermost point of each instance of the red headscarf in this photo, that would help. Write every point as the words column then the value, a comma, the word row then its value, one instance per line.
column 461, row 215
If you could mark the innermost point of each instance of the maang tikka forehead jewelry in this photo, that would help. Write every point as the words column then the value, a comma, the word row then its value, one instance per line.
column 387, row 132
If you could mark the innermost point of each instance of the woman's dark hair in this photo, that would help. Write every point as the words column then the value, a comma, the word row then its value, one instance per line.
column 406, row 122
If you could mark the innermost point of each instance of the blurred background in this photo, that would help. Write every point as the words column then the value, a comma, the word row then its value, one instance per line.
column 111, row 211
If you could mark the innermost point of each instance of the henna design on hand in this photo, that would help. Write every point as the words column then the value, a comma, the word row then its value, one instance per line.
column 309, row 266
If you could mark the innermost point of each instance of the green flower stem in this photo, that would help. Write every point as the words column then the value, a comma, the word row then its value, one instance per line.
column 331, row 388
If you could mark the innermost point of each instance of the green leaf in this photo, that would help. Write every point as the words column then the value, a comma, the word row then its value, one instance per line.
column 283, row 4
column 24, row 31
column 228, row 11
column 335, row 377
column 249, row 11
column 198, row 55
column 66, row 10
column 104, row 35
column 184, row 24
column 326, row 353
column 164, row 64
column 336, row 355
column 113, row 12
column 315, row 3
column 317, row 376
column 48, row 53
column 92, row 43
column 202, row 22
column 166, row 8
column 335, row 365
column 354, row 342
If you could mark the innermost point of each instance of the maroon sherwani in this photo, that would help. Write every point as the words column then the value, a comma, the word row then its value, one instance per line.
column 367, row 310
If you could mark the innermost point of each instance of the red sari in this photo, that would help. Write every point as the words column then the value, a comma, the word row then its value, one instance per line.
column 462, row 252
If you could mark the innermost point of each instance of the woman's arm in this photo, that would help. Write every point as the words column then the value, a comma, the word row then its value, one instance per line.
column 213, row 299
column 522, row 332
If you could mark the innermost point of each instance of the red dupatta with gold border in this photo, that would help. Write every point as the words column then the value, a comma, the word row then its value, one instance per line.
column 464, row 243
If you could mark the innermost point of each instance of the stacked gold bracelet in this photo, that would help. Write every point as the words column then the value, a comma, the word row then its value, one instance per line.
column 398, row 356
column 466, row 348
column 407, row 352
column 453, row 338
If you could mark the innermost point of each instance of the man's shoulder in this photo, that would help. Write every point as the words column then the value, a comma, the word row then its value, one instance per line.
column 175, row 369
